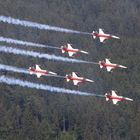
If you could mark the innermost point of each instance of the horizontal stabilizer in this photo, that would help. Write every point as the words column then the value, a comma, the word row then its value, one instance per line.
column 94, row 36
column 67, row 79
column 63, row 51
column 101, row 66
column 107, row 99
column 31, row 72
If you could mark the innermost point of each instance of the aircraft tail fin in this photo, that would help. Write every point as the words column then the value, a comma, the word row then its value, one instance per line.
column 31, row 72
column 67, row 79
column 101, row 66
column 107, row 99
column 93, row 34
column 62, row 50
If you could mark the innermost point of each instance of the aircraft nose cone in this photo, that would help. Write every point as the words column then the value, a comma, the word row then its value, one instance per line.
column 123, row 66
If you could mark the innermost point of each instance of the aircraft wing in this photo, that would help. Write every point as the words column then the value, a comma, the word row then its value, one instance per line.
column 109, row 69
column 102, row 39
column 38, row 75
column 101, row 31
column 113, row 93
column 69, row 46
column 74, row 74
column 75, row 82
column 115, row 101
column 71, row 53
column 37, row 67
column 107, row 61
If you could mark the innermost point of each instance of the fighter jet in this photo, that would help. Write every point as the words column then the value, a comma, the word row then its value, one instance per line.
column 115, row 98
column 102, row 36
column 76, row 80
column 39, row 72
column 108, row 65
column 71, row 51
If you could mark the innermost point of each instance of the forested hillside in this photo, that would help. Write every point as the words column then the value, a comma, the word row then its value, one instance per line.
column 31, row 114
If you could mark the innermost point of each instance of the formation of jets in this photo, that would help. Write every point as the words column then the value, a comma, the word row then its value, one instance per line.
column 77, row 80
column 71, row 51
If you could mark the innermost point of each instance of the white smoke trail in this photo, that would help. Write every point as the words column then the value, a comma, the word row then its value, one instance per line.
column 25, row 71
column 39, row 55
column 20, row 42
column 13, row 69
column 13, row 81
column 26, row 23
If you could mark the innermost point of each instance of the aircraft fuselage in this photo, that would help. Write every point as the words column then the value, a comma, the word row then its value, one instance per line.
column 102, row 35
column 75, row 78
column 70, row 50
column 115, row 97
column 38, row 71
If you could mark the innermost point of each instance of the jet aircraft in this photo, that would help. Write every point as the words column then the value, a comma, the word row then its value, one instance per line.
column 71, row 51
column 115, row 98
column 102, row 36
column 76, row 80
column 39, row 72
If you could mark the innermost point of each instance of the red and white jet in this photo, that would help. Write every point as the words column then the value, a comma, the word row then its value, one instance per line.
column 102, row 36
column 115, row 98
column 39, row 72
column 71, row 51
column 76, row 80
column 109, row 66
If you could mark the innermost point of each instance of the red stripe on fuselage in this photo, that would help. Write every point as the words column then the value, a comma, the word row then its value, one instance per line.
column 110, row 65
column 37, row 71
column 70, row 50
column 101, row 35
column 73, row 78
column 117, row 98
